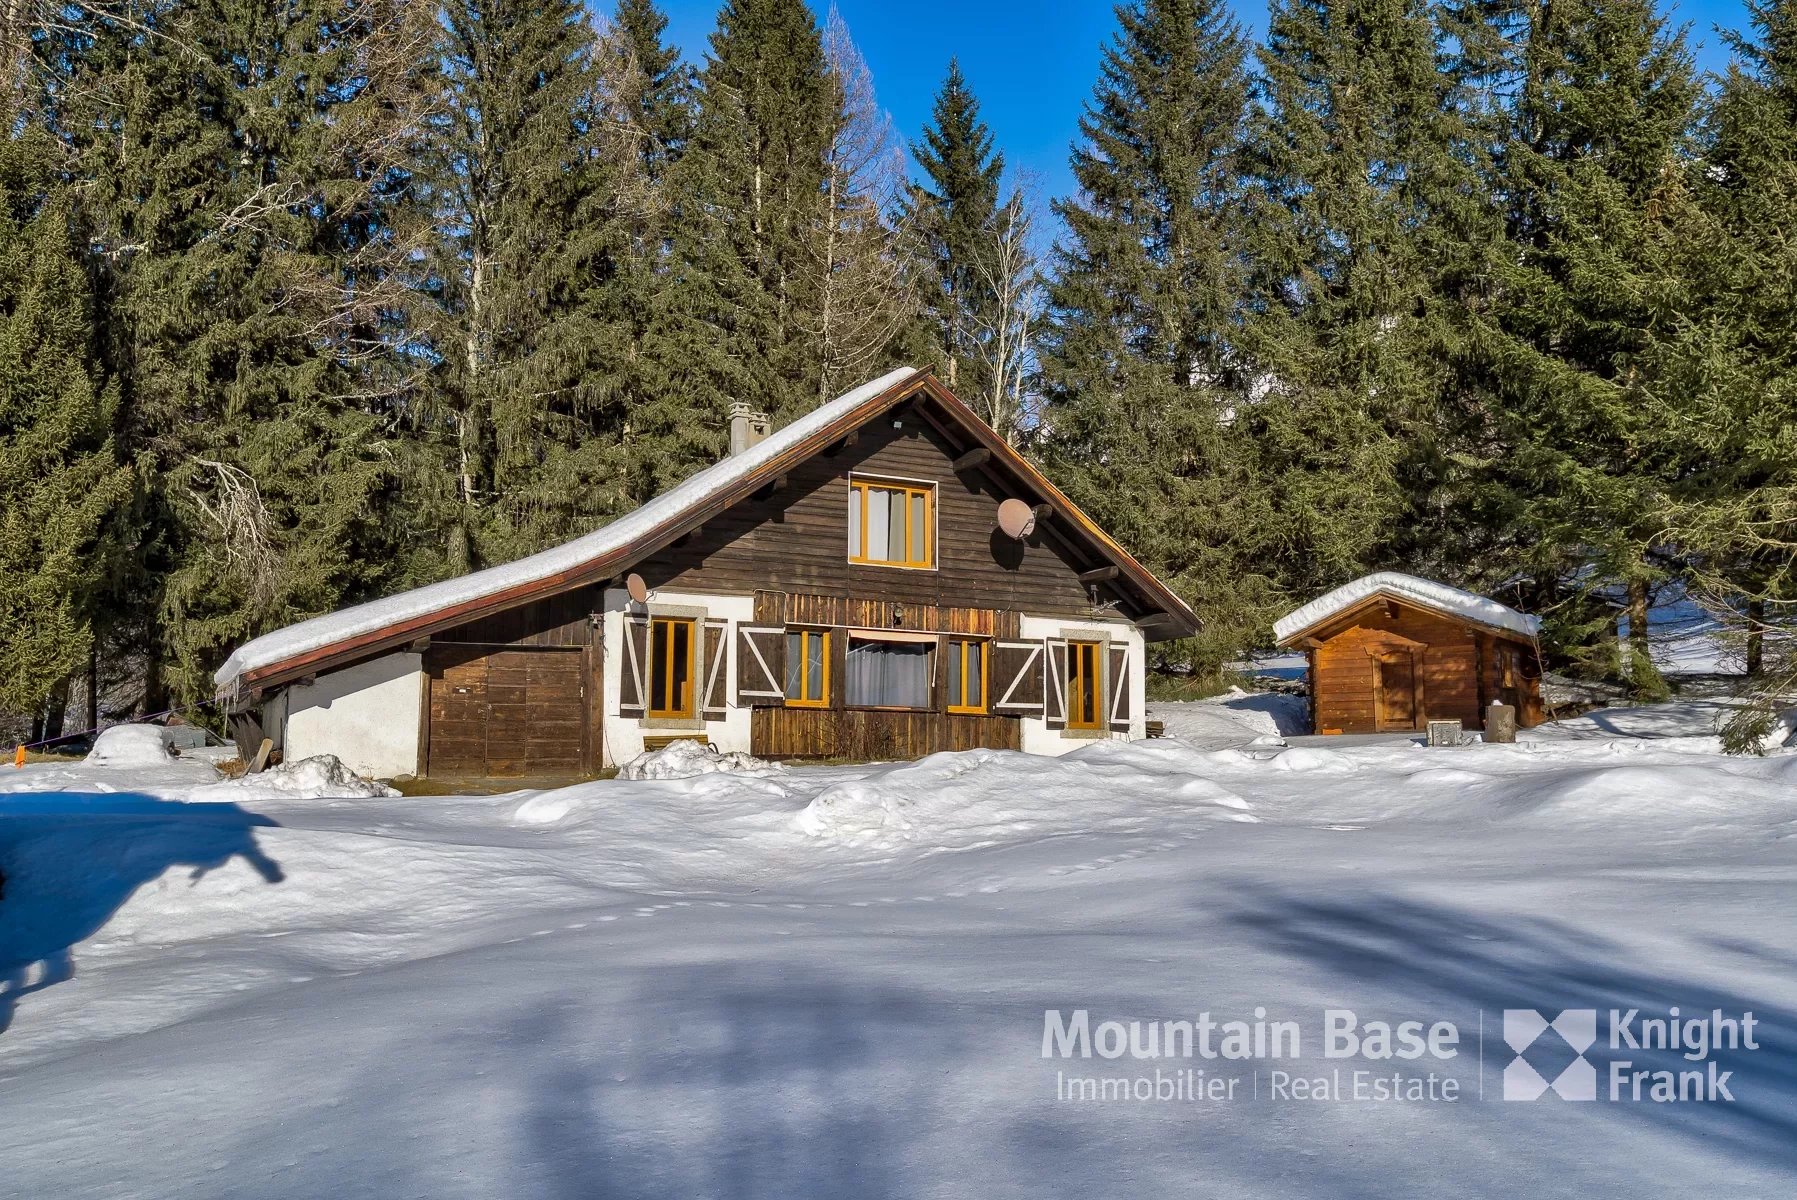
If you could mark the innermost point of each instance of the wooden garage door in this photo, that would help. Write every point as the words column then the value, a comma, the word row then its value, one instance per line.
column 506, row 712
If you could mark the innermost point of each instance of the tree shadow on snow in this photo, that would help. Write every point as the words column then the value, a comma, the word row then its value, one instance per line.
column 70, row 860
column 1436, row 961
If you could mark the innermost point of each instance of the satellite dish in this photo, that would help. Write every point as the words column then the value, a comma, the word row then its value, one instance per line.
column 1017, row 519
column 639, row 591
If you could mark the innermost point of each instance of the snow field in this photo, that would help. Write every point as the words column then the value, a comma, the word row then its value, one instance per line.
column 831, row 981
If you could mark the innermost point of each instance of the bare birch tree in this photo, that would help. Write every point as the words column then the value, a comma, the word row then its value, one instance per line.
column 1005, row 332
column 862, row 300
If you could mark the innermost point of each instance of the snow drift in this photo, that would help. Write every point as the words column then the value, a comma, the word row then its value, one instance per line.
column 127, row 746
column 320, row 777
column 683, row 760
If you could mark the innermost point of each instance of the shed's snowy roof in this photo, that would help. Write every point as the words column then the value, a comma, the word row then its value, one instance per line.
column 1425, row 592
column 376, row 615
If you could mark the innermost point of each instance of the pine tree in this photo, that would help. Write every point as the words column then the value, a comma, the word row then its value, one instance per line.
column 951, row 217
column 238, row 187
column 1141, row 373
column 1565, row 358
column 60, row 479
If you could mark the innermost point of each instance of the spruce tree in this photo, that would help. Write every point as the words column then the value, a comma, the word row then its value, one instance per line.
column 60, row 479
column 237, row 187
column 1142, row 378
column 1356, row 156
column 519, row 180
column 951, row 217
column 767, row 112
column 1565, row 359
column 1732, row 374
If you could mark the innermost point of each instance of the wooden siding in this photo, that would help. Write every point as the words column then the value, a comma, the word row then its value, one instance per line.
column 794, row 538
column 553, row 621
column 505, row 712
column 783, row 608
column 1455, row 670
column 515, row 693
column 870, row 734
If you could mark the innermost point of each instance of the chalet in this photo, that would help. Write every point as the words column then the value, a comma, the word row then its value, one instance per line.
column 1392, row 652
column 883, row 578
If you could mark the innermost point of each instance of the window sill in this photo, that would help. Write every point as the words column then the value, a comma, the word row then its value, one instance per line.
column 687, row 723
column 892, row 566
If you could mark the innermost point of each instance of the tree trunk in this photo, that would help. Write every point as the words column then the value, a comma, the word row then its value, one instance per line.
column 1756, row 635
column 155, row 697
column 56, row 718
column 93, row 686
column 1637, row 614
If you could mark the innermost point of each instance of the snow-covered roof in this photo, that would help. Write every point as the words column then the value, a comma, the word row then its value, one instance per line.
column 1426, row 592
column 333, row 628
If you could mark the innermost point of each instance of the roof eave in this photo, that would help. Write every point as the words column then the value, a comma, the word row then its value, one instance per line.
column 1383, row 595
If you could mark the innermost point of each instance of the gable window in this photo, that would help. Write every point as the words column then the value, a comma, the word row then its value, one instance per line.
column 673, row 646
column 892, row 524
column 966, row 675
column 889, row 672
column 1084, row 685
column 808, row 668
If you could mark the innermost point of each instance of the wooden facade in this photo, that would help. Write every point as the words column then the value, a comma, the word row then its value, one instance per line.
column 550, row 673
column 1392, row 664
column 789, row 536
column 836, row 730
column 515, row 694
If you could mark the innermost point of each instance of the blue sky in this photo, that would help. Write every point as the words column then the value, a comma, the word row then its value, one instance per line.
column 1031, row 62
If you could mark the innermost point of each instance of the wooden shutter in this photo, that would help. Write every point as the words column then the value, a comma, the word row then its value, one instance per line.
column 1117, row 680
column 713, row 702
column 1056, row 689
column 633, row 673
column 760, row 666
column 1016, row 678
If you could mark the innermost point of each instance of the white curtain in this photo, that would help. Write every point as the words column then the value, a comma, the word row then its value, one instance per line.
column 888, row 674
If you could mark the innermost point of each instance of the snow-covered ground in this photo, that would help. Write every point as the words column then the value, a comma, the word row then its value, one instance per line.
column 831, row 982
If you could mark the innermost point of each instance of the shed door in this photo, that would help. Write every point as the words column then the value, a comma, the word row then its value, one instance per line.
column 1394, row 699
column 506, row 712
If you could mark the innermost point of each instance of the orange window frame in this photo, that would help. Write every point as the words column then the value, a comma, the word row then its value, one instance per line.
column 859, row 490
column 664, row 663
column 969, row 680
column 1084, row 682
column 806, row 638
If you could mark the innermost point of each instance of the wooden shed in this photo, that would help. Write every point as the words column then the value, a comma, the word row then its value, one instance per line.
column 1393, row 652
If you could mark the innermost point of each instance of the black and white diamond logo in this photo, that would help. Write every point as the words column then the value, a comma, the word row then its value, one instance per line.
column 1524, row 1028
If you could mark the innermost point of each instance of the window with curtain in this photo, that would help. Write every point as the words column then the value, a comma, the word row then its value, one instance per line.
column 891, row 524
column 882, row 674
column 808, row 667
column 966, row 675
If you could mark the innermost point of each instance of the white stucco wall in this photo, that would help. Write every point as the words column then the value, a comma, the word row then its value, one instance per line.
column 1038, row 738
column 622, row 737
column 368, row 715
